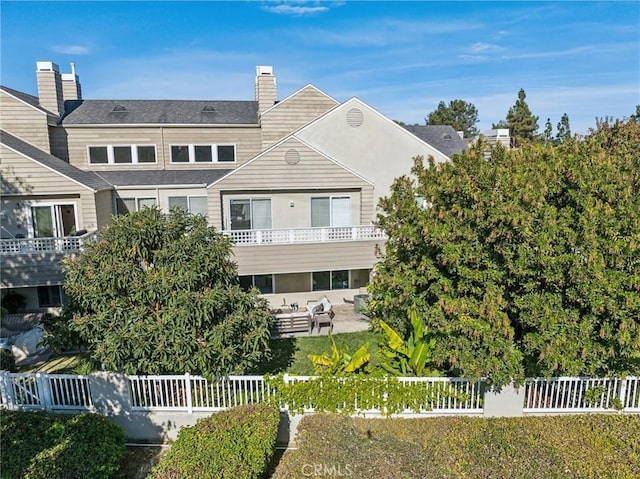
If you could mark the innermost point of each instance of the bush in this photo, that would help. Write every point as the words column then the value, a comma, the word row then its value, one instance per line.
column 40, row 445
column 7, row 361
column 582, row 446
column 237, row 443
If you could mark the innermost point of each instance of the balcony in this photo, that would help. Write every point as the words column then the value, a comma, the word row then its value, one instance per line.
column 306, row 235
column 67, row 244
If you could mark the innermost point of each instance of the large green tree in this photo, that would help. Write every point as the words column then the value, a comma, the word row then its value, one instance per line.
column 526, row 263
column 521, row 122
column 461, row 115
column 159, row 294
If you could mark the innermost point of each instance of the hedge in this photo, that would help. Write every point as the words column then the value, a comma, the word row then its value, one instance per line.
column 238, row 443
column 41, row 445
column 582, row 446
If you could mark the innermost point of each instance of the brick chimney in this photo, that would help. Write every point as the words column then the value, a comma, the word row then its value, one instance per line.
column 50, row 87
column 71, row 89
column 266, row 90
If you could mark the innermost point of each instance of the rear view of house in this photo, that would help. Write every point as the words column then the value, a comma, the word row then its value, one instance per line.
column 294, row 182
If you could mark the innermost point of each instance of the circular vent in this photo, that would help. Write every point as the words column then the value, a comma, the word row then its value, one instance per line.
column 355, row 117
column 292, row 156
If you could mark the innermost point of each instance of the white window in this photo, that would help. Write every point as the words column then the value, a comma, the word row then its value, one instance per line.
column 121, row 154
column 203, row 153
column 196, row 205
column 250, row 214
column 331, row 211
column 264, row 282
column 129, row 205
column 327, row 280
column 51, row 220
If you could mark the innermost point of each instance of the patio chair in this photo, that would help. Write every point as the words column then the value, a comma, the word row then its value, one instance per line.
column 321, row 312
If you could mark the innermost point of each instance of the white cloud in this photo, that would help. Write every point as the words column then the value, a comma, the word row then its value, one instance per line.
column 72, row 49
column 296, row 9
column 481, row 47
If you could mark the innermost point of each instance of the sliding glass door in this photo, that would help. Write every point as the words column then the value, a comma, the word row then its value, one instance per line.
column 52, row 220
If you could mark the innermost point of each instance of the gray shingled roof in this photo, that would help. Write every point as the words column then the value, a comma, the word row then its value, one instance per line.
column 86, row 178
column 25, row 97
column 444, row 138
column 164, row 112
column 162, row 177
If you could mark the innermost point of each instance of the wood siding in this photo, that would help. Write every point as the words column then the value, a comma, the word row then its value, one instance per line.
column 31, row 269
column 247, row 141
column 270, row 172
column 296, row 111
column 300, row 258
column 24, row 121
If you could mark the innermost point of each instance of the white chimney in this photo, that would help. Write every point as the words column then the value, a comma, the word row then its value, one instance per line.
column 71, row 89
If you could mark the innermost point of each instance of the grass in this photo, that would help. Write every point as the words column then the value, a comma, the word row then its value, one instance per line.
column 598, row 446
column 79, row 363
column 291, row 354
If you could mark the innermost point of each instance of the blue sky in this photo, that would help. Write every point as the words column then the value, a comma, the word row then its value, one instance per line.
column 402, row 58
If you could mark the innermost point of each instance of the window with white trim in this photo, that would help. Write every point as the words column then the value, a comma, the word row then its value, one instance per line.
column 129, row 205
column 205, row 153
column 121, row 154
column 196, row 205
column 328, row 280
column 264, row 282
column 331, row 211
column 250, row 214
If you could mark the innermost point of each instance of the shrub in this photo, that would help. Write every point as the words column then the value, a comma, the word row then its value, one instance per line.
column 40, row 445
column 7, row 361
column 237, row 443
column 597, row 446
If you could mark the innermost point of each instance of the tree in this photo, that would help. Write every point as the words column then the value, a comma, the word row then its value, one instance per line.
column 520, row 121
column 526, row 264
column 548, row 132
column 636, row 115
column 159, row 294
column 461, row 115
column 564, row 130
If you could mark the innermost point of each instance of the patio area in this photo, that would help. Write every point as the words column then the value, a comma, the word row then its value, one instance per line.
column 345, row 321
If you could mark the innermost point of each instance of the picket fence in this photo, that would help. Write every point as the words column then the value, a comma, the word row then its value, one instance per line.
column 187, row 393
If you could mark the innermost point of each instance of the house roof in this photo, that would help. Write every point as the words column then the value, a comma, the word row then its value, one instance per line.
column 167, row 112
column 26, row 98
column 163, row 177
column 444, row 138
column 87, row 179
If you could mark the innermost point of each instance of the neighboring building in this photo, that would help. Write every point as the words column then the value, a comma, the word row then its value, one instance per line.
column 294, row 182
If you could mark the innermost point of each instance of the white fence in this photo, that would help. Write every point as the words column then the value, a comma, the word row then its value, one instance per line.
column 66, row 244
column 305, row 235
column 186, row 393
column 568, row 394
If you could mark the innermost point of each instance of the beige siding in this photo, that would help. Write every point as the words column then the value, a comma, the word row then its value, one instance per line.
column 296, row 111
column 26, row 177
column 50, row 91
column 298, row 258
column 376, row 141
column 247, row 141
column 58, row 140
column 270, row 172
column 24, row 121
column 103, row 207
column 31, row 269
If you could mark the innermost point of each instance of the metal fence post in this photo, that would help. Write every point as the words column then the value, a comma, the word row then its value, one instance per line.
column 622, row 395
column 6, row 390
column 189, row 401
column 44, row 391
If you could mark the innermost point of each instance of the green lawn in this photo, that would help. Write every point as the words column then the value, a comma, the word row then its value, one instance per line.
column 62, row 364
column 291, row 354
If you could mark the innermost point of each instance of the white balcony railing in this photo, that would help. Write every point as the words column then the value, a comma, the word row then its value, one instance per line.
column 66, row 244
column 306, row 235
